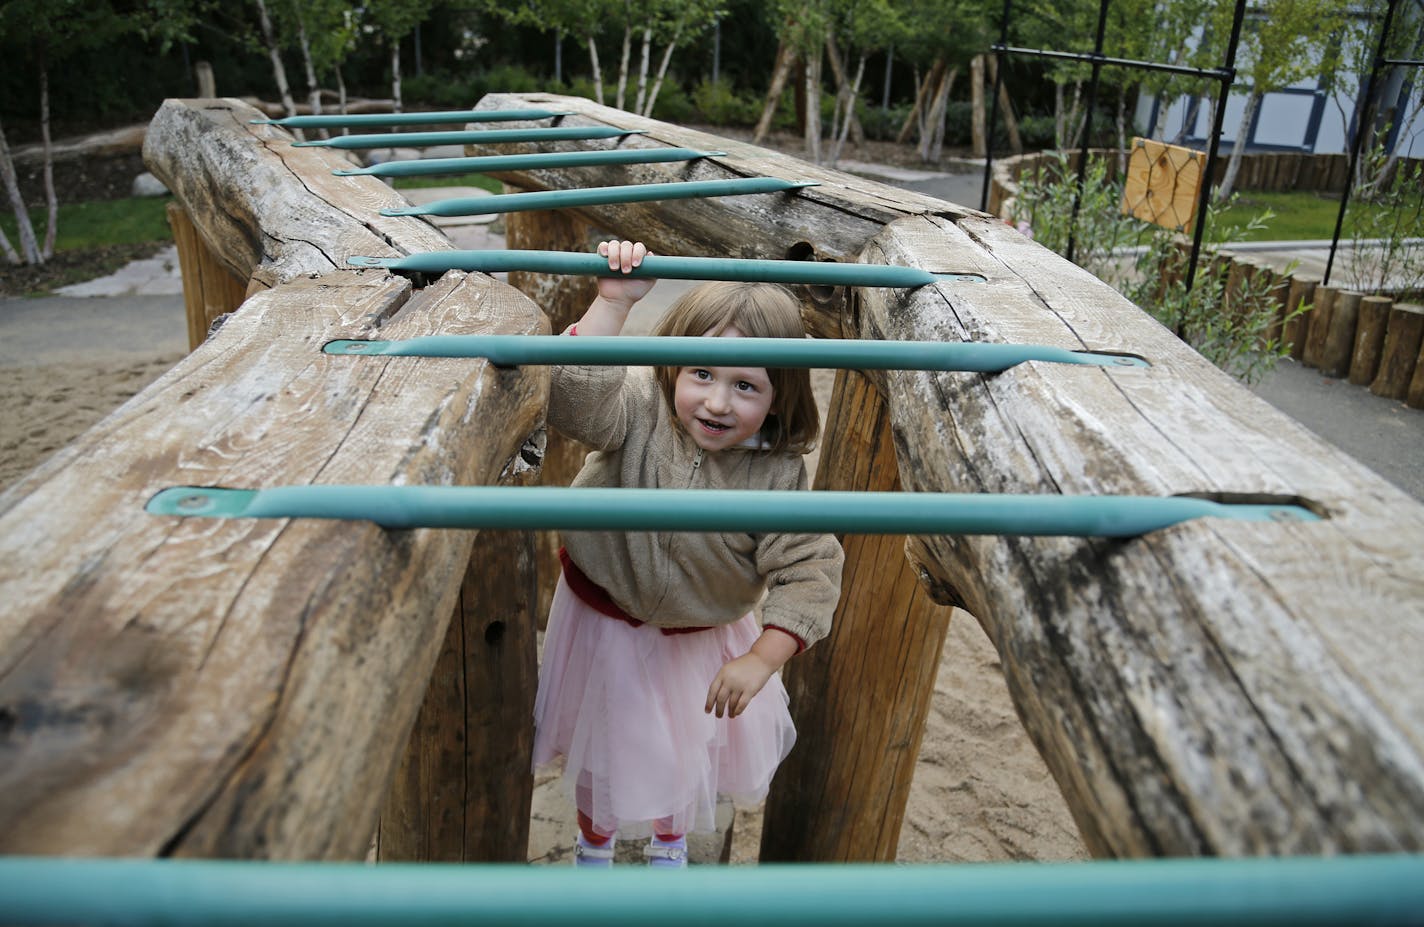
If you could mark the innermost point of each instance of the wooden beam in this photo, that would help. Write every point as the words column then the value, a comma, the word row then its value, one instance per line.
column 241, row 688
column 1212, row 689
column 846, row 787
column 267, row 210
column 209, row 289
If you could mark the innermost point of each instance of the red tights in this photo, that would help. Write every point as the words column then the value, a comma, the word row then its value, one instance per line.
column 594, row 838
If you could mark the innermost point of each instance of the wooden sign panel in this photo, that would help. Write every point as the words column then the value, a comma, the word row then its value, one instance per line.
column 1163, row 184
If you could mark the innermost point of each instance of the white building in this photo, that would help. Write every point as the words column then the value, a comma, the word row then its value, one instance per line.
column 1304, row 117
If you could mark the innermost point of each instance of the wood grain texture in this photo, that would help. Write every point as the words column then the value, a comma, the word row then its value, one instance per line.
column 463, row 790
column 267, row 210
column 237, row 687
column 1369, row 339
column 1403, row 343
column 841, row 796
column 1297, row 325
column 1219, row 687
column 1339, row 345
column 209, row 289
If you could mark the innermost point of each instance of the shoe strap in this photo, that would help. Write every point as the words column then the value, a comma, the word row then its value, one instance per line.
column 589, row 851
column 675, row 853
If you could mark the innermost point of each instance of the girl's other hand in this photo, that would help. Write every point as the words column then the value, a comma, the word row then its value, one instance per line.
column 737, row 683
column 623, row 257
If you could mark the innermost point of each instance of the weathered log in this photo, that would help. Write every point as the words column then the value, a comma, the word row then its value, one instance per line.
column 1321, row 315
column 1402, row 343
column 1297, row 324
column 1414, row 398
column 209, row 289
column 268, row 211
column 1339, row 343
column 563, row 299
column 1206, row 689
column 238, row 688
column 463, row 790
column 888, row 636
column 1219, row 687
column 234, row 688
column 1369, row 339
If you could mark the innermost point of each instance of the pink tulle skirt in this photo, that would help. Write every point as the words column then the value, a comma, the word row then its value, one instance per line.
column 623, row 707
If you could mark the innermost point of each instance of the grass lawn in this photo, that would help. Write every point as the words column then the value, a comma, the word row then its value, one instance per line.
column 94, row 225
column 463, row 180
column 1299, row 216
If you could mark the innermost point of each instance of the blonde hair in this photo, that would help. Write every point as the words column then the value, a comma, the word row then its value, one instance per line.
column 758, row 310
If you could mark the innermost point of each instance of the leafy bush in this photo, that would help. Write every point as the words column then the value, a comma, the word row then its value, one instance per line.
column 1148, row 264
column 672, row 104
column 1384, row 224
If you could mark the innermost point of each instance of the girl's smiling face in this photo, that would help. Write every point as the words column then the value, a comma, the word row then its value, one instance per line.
column 720, row 407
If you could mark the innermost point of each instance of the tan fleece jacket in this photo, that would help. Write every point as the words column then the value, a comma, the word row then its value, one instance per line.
column 685, row 579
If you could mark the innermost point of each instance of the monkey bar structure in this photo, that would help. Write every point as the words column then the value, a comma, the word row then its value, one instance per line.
column 282, row 688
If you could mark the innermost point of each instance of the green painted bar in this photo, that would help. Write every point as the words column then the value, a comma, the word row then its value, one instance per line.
column 356, row 120
column 824, row 273
column 528, row 162
column 833, row 353
column 1251, row 892
column 590, row 196
column 410, row 118
column 474, row 136
column 534, row 508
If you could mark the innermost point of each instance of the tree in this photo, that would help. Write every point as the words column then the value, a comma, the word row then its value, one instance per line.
column 863, row 27
column 41, row 34
column 673, row 21
column 1282, row 43
column 582, row 18
column 396, row 19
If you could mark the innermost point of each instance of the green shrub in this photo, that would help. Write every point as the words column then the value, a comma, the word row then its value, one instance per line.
column 1236, row 338
column 719, row 105
column 673, row 104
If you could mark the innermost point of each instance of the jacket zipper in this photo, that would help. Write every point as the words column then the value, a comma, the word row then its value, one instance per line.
column 696, row 465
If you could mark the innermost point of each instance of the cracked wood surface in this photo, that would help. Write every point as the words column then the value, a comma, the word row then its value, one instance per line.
column 245, row 687
column 1215, row 688
column 267, row 210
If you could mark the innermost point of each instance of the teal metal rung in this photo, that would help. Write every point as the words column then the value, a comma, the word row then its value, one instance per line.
column 822, row 273
column 537, row 508
column 591, row 196
column 475, row 136
column 529, row 162
column 356, row 120
column 514, row 350
column 1381, row 890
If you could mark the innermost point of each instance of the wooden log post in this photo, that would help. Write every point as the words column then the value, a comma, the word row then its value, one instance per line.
column 1339, row 344
column 463, row 790
column 1402, row 341
column 1369, row 339
column 209, row 289
column 1414, row 398
column 563, row 298
column 1299, row 303
column 1278, row 293
column 241, row 688
column 1321, row 315
column 888, row 635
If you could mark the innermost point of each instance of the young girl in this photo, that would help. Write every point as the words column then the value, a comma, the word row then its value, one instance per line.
column 658, row 687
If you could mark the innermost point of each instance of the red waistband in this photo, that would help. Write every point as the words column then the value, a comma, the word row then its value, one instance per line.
column 597, row 598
